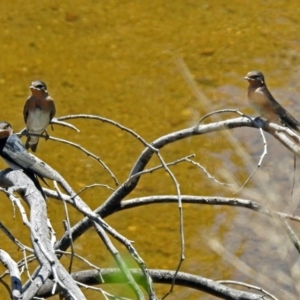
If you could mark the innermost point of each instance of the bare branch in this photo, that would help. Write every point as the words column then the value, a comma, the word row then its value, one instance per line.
column 15, row 277
column 40, row 238
column 91, row 277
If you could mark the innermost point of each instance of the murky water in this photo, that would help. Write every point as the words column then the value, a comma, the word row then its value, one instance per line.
column 118, row 59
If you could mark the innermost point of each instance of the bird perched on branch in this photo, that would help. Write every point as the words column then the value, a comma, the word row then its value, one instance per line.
column 17, row 157
column 264, row 103
column 38, row 112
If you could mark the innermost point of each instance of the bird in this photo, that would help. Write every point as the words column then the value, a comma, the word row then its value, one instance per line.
column 17, row 157
column 39, row 109
column 265, row 104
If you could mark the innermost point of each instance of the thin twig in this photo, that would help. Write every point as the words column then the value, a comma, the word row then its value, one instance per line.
column 97, row 158
column 67, row 224
column 181, row 224
column 265, row 152
column 94, row 185
column 63, row 141
column 105, row 120
column 208, row 174
column 223, row 111
column 250, row 286
column 65, row 124
column 148, row 171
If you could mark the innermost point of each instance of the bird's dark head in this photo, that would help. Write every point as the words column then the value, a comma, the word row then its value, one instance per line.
column 38, row 85
column 5, row 130
column 255, row 78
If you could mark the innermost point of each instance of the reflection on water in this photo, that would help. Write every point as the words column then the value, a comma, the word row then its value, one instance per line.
column 116, row 59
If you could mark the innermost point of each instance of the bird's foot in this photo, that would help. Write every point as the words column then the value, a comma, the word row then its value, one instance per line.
column 26, row 132
column 46, row 135
column 258, row 122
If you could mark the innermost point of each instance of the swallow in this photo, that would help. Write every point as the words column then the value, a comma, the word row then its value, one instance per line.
column 38, row 112
column 17, row 157
column 265, row 104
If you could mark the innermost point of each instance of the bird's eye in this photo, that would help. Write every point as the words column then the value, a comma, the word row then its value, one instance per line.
column 39, row 86
column 256, row 77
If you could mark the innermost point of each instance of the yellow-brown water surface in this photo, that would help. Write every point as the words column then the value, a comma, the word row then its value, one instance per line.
column 117, row 59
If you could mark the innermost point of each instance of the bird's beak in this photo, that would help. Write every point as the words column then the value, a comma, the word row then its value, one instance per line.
column 247, row 78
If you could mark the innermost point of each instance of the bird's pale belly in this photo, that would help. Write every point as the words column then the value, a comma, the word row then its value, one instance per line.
column 37, row 121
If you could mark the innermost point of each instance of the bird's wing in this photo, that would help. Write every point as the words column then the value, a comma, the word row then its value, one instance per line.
column 25, row 110
column 286, row 118
column 289, row 120
column 52, row 105
column 15, row 152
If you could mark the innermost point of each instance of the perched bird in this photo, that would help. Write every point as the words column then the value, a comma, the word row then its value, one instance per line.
column 38, row 112
column 17, row 157
column 264, row 103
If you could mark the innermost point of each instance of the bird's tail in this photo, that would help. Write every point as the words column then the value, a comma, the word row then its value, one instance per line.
column 289, row 121
column 32, row 143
